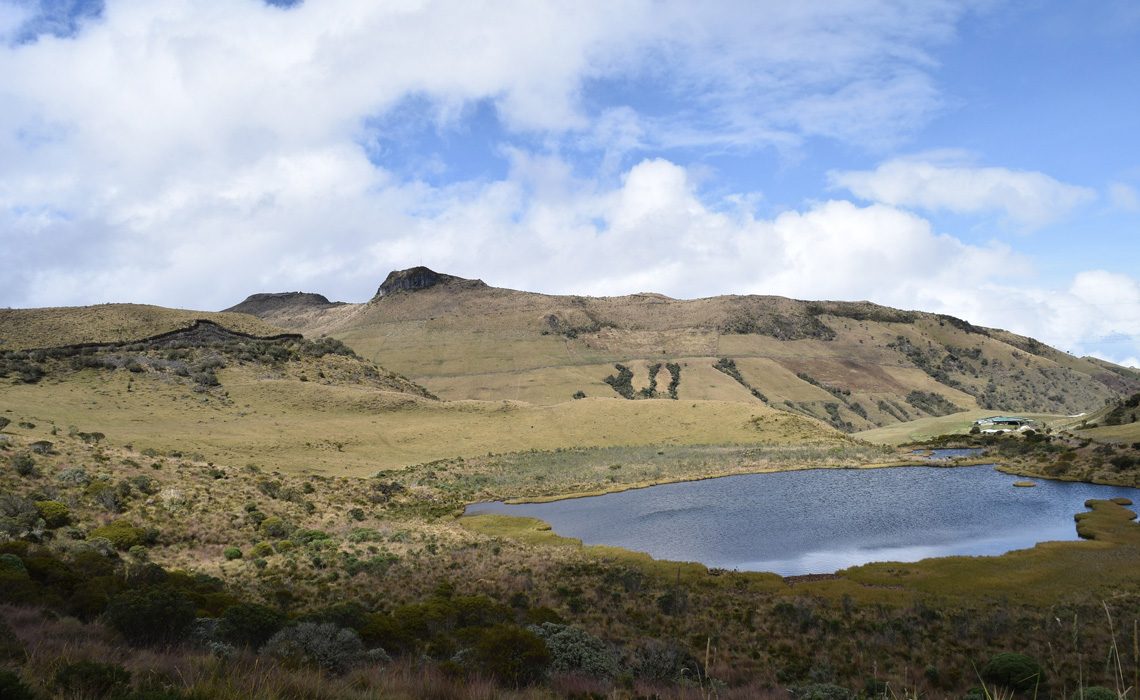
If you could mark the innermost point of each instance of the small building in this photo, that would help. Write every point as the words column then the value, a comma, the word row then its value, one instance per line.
column 1000, row 424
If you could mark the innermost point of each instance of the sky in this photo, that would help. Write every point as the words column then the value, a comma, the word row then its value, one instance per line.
column 971, row 157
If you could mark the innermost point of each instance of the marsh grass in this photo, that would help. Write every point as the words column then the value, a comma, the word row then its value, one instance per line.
column 541, row 474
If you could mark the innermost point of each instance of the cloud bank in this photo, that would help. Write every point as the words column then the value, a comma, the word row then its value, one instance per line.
column 188, row 153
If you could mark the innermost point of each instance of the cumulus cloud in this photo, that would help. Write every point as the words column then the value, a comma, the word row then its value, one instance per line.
column 190, row 152
column 947, row 181
column 135, row 138
column 1124, row 197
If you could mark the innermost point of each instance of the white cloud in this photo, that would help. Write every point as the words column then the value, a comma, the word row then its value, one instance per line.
column 163, row 128
column 1124, row 196
column 654, row 232
column 191, row 152
column 946, row 181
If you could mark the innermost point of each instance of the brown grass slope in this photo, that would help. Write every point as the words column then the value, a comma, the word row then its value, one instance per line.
column 854, row 365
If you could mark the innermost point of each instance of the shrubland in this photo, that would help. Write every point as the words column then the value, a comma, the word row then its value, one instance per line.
column 365, row 587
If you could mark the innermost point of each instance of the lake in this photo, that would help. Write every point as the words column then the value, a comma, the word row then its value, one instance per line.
column 823, row 520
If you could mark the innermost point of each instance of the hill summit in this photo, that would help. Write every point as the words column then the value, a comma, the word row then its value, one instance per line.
column 417, row 278
column 265, row 303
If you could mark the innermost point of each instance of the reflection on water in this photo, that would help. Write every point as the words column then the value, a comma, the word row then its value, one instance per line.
column 819, row 521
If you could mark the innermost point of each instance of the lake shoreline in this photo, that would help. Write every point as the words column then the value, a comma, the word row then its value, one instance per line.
column 621, row 488
column 623, row 516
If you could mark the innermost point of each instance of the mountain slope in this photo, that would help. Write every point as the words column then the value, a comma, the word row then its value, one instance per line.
column 289, row 402
column 854, row 365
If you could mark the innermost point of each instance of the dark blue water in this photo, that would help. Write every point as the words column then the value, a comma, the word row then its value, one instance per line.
column 823, row 520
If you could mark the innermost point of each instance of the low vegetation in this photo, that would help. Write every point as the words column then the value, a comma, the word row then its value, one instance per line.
column 149, row 580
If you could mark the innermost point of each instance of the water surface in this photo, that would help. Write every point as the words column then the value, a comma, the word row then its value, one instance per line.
column 823, row 520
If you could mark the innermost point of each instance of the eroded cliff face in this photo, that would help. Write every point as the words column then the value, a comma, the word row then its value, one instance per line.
column 416, row 278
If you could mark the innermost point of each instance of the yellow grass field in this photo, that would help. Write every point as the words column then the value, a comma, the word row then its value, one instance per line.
column 355, row 430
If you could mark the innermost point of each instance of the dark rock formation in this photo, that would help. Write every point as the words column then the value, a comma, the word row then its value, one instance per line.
column 417, row 278
column 261, row 304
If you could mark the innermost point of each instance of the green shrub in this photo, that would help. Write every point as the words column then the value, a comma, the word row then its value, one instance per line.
column 76, row 476
column 364, row 534
column 512, row 655
column 231, row 553
column 54, row 513
column 13, row 688
column 822, row 691
column 249, row 624
column 1014, row 671
column 121, row 533
column 24, row 464
column 1095, row 692
column 309, row 536
column 275, row 527
column 324, row 645
column 91, row 679
column 151, row 616
column 261, row 549
column 106, row 494
column 19, row 518
column 664, row 660
column 622, row 382
column 575, row 651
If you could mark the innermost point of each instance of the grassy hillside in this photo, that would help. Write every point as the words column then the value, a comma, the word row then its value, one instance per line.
column 311, row 426
column 315, row 406
column 853, row 365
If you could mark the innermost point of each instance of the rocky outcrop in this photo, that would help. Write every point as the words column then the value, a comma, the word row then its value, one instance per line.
column 416, row 278
column 264, row 304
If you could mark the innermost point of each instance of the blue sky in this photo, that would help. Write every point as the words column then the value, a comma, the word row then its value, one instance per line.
column 977, row 158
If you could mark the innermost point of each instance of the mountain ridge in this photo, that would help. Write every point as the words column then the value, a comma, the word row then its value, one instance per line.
column 855, row 365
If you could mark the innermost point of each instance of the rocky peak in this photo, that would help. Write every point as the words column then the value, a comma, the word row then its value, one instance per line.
column 417, row 278
column 258, row 304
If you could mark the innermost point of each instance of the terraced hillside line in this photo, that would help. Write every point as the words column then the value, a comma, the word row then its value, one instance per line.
column 622, row 382
column 650, row 392
column 929, row 402
column 674, row 378
column 27, row 329
column 200, row 332
column 728, row 366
